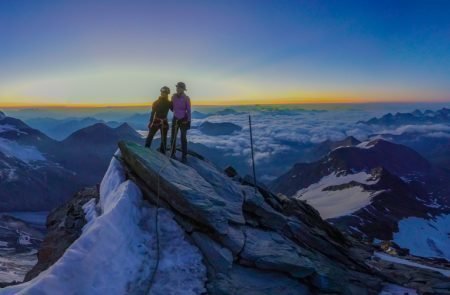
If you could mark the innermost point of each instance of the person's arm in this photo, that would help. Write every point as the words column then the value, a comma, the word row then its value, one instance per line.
column 152, row 114
column 188, row 108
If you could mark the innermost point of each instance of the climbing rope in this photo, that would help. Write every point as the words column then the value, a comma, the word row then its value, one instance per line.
column 158, row 248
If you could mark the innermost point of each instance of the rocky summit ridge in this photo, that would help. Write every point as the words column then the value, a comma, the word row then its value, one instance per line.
column 255, row 242
column 218, row 235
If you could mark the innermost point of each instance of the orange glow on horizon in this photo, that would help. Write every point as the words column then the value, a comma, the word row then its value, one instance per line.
column 221, row 102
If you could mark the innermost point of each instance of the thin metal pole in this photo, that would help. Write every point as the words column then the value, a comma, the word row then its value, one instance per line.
column 253, row 157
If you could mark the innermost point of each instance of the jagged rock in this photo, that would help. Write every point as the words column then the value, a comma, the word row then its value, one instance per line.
column 233, row 240
column 276, row 237
column 254, row 202
column 219, row 257
column 200, row 202
column 64, row 226
column 230, row 171
column 269, row 250
column 248, row 281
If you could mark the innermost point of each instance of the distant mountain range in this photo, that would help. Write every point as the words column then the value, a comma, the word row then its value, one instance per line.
column 426, row 132
column 416, row 117
column 59, row 129
column 38, row 173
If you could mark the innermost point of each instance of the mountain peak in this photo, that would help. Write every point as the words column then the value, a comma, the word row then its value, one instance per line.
column 124, row 127
column 101, row 133
column 397, row 158
column 2, row 115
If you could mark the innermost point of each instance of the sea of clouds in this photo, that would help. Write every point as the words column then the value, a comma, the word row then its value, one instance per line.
column 278, row 131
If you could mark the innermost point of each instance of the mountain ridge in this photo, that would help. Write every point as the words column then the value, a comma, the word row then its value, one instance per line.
column 31, row 162
column 248, row 239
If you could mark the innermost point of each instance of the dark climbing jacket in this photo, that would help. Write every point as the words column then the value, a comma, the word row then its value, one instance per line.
column 160, row 109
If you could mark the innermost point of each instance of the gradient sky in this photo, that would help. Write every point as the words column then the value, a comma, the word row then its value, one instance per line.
column 122, row 52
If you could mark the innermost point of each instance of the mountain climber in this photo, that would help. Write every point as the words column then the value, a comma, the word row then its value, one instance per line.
column 181, row 108
column 158, row 119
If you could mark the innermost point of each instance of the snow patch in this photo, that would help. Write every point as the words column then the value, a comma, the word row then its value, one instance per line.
column 392, row 289
column 26, row 154
column 7, row 128
column 386, row 257
column 366, row 145
column 116, row 252
column 425, row 237
column 335, row 203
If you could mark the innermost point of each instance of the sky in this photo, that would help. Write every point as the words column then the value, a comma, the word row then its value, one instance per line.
column 109, row 52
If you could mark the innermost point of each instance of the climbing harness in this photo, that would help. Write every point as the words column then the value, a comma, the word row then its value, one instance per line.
column 157, row 121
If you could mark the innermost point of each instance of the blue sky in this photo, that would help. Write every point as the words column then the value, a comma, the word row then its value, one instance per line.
column 122, row 52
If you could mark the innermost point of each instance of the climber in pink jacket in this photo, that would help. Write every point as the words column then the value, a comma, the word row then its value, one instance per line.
column 181, row 108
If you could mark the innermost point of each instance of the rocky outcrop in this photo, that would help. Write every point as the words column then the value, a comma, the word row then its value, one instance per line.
column 64, row 226
column 255, row 242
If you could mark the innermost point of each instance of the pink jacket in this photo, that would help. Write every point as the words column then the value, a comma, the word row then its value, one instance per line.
column 181, row 106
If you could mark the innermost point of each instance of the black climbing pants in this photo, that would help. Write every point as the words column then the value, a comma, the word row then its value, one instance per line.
column 182, row 127
column 151, row 133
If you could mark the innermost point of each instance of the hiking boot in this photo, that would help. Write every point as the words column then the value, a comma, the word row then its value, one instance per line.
column 184, row 159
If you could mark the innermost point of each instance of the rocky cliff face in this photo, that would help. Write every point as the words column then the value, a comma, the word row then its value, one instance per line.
column 64, row 225
column 213, row 234
column 253, row 240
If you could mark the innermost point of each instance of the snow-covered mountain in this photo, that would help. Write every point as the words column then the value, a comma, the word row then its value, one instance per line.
column 88, row 151
column 38, row 173
column 31, row 178
column 371, row 188
column 211, row 235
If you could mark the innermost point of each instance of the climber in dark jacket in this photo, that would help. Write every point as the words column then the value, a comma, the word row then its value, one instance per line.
column 158, row 119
